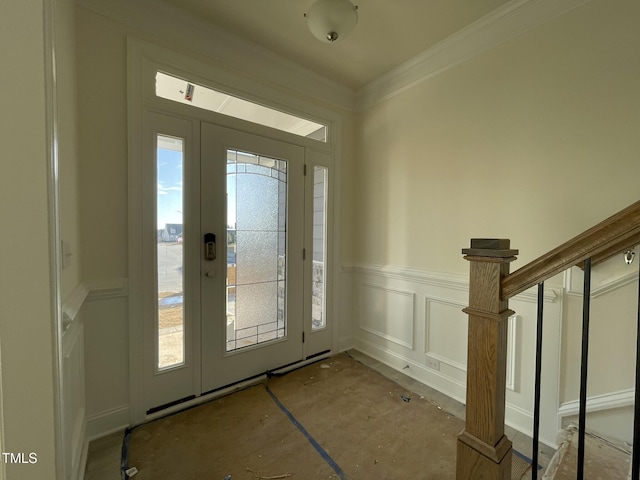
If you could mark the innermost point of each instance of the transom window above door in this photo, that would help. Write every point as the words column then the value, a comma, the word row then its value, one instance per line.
column 182, row 91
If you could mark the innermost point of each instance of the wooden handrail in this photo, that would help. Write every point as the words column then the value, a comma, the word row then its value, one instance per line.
column 614, row 235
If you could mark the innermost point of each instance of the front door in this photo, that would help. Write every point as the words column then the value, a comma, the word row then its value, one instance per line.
column 251, row 255
column 227, row 291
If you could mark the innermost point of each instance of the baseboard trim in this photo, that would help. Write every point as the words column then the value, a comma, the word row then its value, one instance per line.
column 434, row 379
column 345, row 344
column 105, row 423
column 515, row 416
column 84, row 455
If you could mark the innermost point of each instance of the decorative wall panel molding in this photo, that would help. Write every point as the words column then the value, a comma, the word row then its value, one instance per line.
column 387, row 313
column 74, row 406
column 446, row 332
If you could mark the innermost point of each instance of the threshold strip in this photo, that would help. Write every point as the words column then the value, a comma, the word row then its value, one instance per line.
column 323, row 453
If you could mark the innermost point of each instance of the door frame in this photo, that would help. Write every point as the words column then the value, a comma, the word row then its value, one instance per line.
column 143, row 61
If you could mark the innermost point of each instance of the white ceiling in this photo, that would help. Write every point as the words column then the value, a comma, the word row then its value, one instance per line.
column 389, row 32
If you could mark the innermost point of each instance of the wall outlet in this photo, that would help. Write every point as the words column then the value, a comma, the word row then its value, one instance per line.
column 432, row 362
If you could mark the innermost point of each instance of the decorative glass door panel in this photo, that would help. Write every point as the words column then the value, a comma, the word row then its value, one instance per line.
column 256, row 249
column 252, row 200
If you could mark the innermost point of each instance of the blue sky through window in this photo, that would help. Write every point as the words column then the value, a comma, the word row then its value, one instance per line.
column 170, row 178
column 170, row 170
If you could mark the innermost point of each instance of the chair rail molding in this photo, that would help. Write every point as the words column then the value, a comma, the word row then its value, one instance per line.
column 73, row 303
column 108, row 288
column 439, row 279
column 605, row 278
column 92, row 290
column 598, row 403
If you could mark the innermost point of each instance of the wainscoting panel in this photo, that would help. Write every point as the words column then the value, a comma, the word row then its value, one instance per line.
column 73, row 385
column 74, row 397
column 106, row 319
column 387, row 313
column 413, row 321
column 446, row 338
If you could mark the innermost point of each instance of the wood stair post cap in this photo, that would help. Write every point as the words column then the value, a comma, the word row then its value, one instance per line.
column 490, row 247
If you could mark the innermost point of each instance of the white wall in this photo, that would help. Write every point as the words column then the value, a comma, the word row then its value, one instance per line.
column 535, row 140
column 529, row 141
column 25, row 282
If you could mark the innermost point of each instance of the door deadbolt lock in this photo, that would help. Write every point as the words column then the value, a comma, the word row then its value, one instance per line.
column 209, row 247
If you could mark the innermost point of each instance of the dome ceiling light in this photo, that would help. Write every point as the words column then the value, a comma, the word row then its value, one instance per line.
column 330, row 20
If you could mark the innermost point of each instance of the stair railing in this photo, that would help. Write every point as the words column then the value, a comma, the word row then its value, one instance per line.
column 484, row 451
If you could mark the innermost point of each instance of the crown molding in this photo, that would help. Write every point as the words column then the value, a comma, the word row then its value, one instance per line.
column 501, row 25
column 193, row 34
column 162, row 20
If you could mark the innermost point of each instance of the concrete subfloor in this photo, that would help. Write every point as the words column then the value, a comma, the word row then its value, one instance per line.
column 104, row 456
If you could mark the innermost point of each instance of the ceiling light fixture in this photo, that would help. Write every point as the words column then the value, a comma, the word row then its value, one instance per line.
column 330, row 20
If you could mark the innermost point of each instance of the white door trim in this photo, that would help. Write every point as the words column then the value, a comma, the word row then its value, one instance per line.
column 62, row 450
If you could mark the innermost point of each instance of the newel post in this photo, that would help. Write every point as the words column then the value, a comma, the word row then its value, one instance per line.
column 484, row 451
